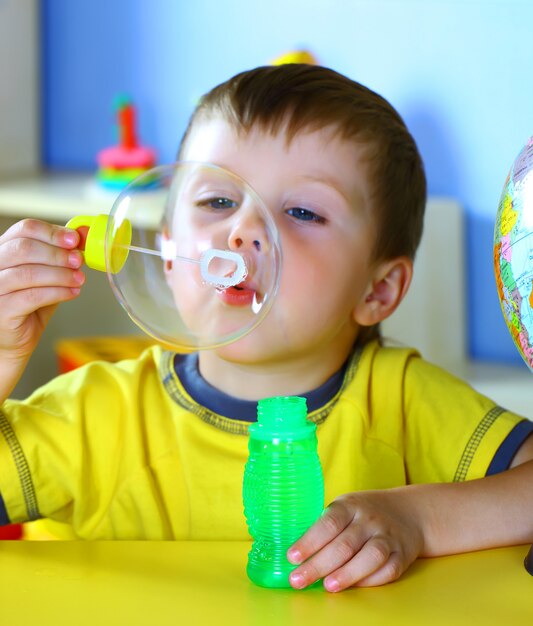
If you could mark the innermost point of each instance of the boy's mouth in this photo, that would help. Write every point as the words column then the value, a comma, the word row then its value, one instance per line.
column 242, row 294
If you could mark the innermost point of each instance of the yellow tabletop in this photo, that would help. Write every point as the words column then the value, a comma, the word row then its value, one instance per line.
column 188, row 583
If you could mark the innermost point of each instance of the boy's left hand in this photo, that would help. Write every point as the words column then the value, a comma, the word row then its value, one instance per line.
column 365, row 538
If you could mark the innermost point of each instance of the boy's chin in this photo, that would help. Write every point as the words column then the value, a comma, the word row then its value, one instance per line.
column 240, row 352
column 249, row 350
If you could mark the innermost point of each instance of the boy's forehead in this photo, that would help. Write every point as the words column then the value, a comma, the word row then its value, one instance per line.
column 263, row 158
column 217, row 135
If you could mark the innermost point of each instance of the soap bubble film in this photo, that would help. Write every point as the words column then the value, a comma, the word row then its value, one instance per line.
column 204, row 262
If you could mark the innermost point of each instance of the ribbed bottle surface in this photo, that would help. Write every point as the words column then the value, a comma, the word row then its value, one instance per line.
column 283, row 488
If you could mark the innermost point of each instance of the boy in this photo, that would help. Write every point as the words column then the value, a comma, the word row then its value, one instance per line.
column 152, row 448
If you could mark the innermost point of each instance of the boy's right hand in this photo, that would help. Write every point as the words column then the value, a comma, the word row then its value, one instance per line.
column 39, row 267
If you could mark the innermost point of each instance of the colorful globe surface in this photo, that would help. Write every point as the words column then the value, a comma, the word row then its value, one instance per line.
column 513, row 252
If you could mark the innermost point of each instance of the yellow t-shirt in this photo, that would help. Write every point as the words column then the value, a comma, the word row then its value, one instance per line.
column 123, row 451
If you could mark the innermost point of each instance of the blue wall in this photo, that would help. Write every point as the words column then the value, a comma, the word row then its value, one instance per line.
column 459, row 71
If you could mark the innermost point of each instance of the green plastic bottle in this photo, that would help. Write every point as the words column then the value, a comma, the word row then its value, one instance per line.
column 283, row 487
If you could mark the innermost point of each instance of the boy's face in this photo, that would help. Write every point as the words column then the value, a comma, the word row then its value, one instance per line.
column 316, row 190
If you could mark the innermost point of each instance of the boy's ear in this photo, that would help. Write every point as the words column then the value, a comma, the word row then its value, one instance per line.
column 388, row 288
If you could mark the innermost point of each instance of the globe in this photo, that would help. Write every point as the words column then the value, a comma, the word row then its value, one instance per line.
column 513, row 252
column 513, row 260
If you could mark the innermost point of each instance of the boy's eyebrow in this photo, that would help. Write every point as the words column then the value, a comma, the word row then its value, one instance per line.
column 330, row 182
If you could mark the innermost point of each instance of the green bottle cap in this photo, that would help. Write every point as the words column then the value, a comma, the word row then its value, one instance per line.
column 282, row 417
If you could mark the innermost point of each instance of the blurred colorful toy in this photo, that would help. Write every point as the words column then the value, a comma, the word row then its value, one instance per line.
column 77, row 351
column 11, row 532
column 119, row 165
column 295, row 56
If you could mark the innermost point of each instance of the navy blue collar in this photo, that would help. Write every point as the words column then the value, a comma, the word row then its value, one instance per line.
column 186, row 368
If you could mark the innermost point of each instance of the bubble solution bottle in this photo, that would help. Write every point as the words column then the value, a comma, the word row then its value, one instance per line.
column 283, row 487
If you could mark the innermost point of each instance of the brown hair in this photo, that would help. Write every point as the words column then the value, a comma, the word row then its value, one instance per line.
column 299, row 97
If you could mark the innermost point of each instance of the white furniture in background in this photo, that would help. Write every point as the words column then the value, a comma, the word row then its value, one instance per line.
column 432, row 317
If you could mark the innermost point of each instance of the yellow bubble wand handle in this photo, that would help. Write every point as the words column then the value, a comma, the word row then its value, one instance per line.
column 94, row 251
column 232, row 266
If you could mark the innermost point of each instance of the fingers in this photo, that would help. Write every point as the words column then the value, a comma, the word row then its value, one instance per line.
column 39, row 266
column 25, row 277
column 362, row 539
column 333, row 539
column 42, row 231
column 330, row 524
column 374, row 564
column 349, row 561
column 31, row 251
column 388, row 572
column 333, row 555
column 27, row 288
column 35, row 242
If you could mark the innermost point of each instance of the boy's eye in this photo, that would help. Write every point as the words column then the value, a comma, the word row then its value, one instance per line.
column 219, row 203
column 305, row 215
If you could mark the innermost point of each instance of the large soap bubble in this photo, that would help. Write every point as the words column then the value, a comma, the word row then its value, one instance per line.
column 198, row 268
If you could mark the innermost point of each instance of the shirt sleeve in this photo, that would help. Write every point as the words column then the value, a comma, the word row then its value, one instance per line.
column 453, row 433
column 509, row 447
column 16, row 485
column 61, row 451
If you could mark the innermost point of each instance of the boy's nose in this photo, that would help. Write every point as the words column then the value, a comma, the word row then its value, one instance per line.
column 240, row 243
column 247, row 233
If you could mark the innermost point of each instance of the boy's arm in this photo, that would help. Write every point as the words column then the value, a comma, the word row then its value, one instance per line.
column 39, row 268
column 483, row 513
column 10, row 374
column 371, row 537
